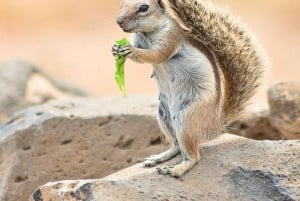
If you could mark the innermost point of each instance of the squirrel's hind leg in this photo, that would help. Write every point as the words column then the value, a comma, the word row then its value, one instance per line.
column 165, row 122
column 189, row 150
column 193, row 125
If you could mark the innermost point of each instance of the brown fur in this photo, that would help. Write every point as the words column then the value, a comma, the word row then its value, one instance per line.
column 163, row 51
column 198, row 119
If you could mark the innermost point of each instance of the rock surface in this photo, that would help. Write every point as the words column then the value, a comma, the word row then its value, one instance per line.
column 231, row 168
column 74, row 139
column 83, row 138
column 284, row 100
column 23, row 84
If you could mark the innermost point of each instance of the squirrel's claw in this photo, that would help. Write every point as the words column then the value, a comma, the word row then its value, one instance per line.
column 173, row 171
column 177, row 170
column 151, row 161
column 124, row 51
column 115, row 49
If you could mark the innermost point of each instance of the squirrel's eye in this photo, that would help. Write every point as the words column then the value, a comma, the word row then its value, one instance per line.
column 143, row 8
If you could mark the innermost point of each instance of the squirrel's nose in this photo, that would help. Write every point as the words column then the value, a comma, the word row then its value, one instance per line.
column 120, row 20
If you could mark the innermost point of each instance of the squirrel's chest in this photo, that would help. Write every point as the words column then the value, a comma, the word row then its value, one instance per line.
column 141, row 41
column 187, row 70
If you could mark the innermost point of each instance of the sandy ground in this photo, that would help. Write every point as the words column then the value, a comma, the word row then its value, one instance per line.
column 72, row 39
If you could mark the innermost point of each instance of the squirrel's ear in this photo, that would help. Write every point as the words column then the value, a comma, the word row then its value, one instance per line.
column 161, row 5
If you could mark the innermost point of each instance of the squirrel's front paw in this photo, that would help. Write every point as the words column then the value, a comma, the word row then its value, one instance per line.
column 124, row 51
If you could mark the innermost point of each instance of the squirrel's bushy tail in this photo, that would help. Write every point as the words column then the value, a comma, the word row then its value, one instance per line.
column 241, row 61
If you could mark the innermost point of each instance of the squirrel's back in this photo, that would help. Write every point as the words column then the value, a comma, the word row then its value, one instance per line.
column 241, row 61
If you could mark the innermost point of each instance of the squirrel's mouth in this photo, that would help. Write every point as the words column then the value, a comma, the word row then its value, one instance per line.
column 127, row 30
column 126, row 27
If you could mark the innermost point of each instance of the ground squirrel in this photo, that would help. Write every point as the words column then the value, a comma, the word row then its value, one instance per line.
column 206, row 66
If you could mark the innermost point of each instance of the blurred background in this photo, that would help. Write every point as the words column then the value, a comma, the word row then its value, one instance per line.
column 72, row 39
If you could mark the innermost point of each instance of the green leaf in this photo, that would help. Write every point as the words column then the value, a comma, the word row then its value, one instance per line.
column 122, row 42
column 120, row 62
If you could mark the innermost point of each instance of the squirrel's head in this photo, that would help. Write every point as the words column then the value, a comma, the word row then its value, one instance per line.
column 141, row 15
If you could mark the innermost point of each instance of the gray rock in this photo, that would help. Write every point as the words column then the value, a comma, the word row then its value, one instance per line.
column 70, row 139
column 23, row 84
column 231, row 168
column 284, row 100
column 83, row 138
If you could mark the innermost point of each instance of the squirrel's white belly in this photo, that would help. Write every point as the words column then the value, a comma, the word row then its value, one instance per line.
column 187, row 76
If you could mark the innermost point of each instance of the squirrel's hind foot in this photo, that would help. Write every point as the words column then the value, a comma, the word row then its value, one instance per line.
column 162, row 157
column 177, row 170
